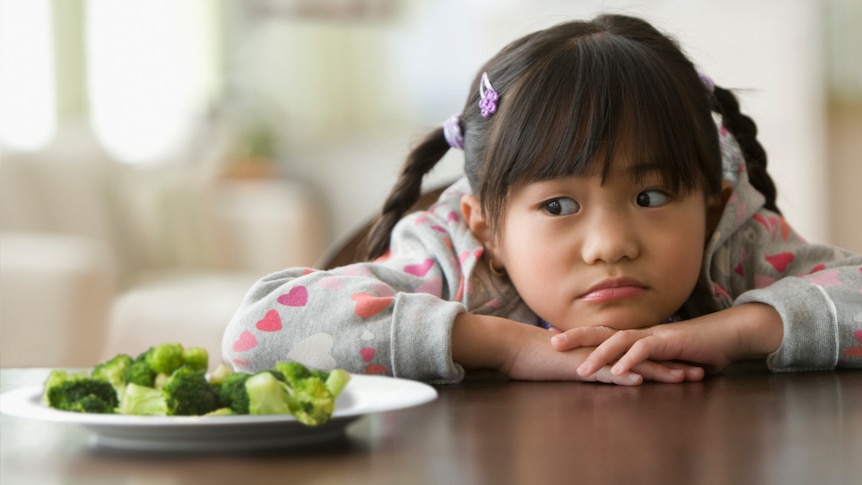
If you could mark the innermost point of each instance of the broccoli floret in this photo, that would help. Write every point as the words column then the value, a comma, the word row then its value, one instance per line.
column 165, row 358
column 143, row 401
column 311, row 402
column 218, row 375
column 57, row 377
column 322, row 374
column 267, row 394
column 92, row 404
column 79, row 392
column 139, row 372
column 312, row 392
column 293, row 372
column 114, row 372
column 153, row 366
column 187, row 393
column 197, row 358
column 232, row 393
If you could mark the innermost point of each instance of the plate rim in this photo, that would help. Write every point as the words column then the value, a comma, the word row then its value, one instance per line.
column 26, row 403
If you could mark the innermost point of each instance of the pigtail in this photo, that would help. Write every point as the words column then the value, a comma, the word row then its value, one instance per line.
column 745, row 131
column 405, row 193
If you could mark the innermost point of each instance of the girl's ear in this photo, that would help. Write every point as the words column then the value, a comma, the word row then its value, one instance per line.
column 716, row 208
column 471, row 210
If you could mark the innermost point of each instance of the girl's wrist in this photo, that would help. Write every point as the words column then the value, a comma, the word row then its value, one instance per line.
column 762, row 330
column 483, row 341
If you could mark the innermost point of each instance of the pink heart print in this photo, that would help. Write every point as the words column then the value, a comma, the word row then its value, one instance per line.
column 368, row 305
column 297, row 296
column 367, row 353
column 826, row 278
column 419, row 270
column 780, row 261
column 271, row 322
column 246, row 341
column 375, row 369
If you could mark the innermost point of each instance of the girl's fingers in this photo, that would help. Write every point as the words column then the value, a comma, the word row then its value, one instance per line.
column 625, row 379
column 609, row 351
column 581, row 337
column 631, row 352
column 668, row 372
column 639, row 351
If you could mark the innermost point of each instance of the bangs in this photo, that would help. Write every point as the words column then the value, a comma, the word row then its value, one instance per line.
column 602, row 100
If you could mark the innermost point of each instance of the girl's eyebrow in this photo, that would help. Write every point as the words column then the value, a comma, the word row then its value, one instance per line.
column 644, row 169
column 543, row 185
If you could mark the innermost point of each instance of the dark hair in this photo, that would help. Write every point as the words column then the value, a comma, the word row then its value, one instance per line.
column 573, row 93
column 745, row 131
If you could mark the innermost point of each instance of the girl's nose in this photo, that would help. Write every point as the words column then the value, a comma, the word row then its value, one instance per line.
column 610, row 238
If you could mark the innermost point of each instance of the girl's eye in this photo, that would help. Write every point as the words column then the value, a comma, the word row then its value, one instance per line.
column 652, row 198
column 562, row 206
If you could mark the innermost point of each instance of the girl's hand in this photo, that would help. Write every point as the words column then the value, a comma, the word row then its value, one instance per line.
column 534, row 360
column 524, row 352
column 714, row 341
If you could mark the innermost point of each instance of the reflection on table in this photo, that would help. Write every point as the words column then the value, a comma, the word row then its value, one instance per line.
column 746, row 426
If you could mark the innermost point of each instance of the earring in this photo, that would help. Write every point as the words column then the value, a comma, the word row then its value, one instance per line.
column 499, row 273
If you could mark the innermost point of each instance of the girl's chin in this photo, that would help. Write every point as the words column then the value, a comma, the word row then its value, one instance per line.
column 619, row 320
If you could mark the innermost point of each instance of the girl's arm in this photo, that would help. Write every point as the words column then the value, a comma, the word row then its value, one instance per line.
column 810, row 322
column 367, row 318
column 525, row 352
column 748, row 331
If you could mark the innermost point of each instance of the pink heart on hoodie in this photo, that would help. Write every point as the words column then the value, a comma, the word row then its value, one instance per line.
column 246, row 341
column 297, row 296
column 421, row 269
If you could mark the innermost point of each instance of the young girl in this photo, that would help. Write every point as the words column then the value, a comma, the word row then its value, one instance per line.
column 616, row 224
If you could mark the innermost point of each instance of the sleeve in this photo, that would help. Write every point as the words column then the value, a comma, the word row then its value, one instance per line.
column 393, row 316
column 817, row 290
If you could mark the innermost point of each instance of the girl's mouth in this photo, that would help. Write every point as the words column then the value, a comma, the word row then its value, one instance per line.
column 613, row 289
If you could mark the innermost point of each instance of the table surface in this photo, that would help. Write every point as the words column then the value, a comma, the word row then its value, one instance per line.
column 745, row 426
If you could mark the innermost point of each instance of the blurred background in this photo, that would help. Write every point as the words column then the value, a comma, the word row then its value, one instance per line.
column 156, row 156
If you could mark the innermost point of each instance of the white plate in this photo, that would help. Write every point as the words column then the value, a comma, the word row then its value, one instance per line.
column 363, row 395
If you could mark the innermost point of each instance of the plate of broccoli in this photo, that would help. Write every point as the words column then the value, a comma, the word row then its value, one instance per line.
column 164, row 400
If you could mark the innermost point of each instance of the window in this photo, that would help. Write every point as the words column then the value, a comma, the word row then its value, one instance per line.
column 150, row 74
column 28, row 116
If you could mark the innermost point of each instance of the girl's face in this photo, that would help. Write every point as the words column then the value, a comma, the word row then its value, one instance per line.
column 625, row 253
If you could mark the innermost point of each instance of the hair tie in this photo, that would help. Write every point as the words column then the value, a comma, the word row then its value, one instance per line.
column 452, row 131
column 707, row 82
column 487, row 97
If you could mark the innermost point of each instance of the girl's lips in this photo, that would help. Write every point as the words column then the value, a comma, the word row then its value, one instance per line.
column 613, row 289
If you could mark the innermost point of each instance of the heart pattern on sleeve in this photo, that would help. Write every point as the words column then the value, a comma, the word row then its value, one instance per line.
column 314, row 351
column 368, row 305
column 420, row 269
column 297, row 296
column 246, row 341
column 271, row 322
column 780, row 261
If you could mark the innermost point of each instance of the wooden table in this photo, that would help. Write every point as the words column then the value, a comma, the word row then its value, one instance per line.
column 746, row 426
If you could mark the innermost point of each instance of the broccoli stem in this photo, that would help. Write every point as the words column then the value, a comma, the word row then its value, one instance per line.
column 337, row 380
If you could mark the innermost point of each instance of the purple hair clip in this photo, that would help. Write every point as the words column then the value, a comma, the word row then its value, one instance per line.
column 488, row 97
column 452, row 131
column 707, row 82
